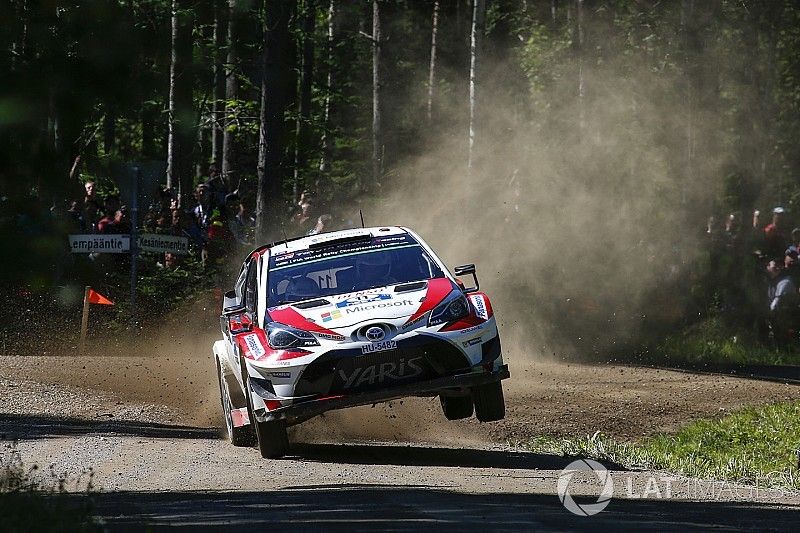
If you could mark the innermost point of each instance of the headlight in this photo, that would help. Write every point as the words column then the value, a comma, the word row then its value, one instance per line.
column 282, row 337
column 453, row 307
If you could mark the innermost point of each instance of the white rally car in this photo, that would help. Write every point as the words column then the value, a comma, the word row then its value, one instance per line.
column 349, row 318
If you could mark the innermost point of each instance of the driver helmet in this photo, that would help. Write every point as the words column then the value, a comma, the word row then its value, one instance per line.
column 374, row 266
column 301, row 288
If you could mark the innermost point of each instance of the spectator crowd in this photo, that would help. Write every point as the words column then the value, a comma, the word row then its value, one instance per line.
column 757, row 272
column 218, row 221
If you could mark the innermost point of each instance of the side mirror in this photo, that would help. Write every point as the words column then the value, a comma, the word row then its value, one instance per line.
column 237, row 321
column 230, row 302
column 465, row 270
column 235, row 316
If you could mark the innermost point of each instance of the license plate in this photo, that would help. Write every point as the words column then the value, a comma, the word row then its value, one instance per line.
column 379, row 347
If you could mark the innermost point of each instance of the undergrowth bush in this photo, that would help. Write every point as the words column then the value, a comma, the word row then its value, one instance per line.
column 31, row 500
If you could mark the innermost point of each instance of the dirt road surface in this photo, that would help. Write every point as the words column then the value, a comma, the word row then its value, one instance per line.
column 145, row 420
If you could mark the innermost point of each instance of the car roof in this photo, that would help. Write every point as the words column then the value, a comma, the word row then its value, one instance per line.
column 303, row 243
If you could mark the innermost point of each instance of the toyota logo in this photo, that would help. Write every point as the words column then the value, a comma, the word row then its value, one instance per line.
column 375, row 334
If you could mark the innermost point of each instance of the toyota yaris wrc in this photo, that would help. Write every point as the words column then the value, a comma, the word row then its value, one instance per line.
column 349, row 318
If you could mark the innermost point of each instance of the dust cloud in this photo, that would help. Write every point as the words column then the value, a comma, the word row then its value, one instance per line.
column 582, row 213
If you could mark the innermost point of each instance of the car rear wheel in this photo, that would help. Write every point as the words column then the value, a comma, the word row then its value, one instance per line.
column 456, row 407
column 239, row 436
column 489, row 402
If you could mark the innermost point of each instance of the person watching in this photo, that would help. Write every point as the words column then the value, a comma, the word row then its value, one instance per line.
column 782, row 298
column 775, row 239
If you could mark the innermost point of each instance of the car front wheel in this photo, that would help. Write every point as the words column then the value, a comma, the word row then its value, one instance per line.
column 272, row 438
column 489, row 402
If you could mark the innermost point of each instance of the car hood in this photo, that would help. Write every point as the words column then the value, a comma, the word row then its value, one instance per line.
column 404, row 302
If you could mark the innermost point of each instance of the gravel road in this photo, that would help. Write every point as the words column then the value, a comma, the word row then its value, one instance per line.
column 145, row 420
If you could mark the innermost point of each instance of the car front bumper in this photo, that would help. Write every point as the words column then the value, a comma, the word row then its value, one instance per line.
column 298, row 412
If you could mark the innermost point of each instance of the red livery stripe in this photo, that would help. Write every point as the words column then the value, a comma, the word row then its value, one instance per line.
column 438, row 288
column 290, row 317
column 464, row 323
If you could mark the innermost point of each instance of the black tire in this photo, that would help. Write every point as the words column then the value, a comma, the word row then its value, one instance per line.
column 489, row 402
column 271, row 437
column 273, row 442
column 456, row 407
column 238, row 436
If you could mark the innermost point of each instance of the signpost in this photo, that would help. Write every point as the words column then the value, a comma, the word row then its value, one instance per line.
column 133, row 243
column 153, row 242
column 107, row 244
column 123, row 244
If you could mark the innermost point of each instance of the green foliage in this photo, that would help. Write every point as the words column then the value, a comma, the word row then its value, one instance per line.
column 754, row 446
column 712, row 341
column 160, row 290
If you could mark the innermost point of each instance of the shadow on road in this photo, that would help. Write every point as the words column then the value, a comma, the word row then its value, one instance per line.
column 404, row 508
column 23, row 427
column 775, row 373
column 410, row 455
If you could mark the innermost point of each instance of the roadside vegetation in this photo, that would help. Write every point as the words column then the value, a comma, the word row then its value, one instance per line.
column 28, row 315
column 34, row 501
column 753, row 446
column 713, row 342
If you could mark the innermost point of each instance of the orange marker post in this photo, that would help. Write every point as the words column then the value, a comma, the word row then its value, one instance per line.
column 90, row 296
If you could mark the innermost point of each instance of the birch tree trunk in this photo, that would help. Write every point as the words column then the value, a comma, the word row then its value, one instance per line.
column 478, row 22
column 231, row 94
column 276, row 93
column 218, row 104
column 325, row 156
column 181, row 115
column 432, row 68
column 172, row 171
column 303, row 126
column 377, row 137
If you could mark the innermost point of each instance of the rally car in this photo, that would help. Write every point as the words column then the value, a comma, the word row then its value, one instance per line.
column 349, row 318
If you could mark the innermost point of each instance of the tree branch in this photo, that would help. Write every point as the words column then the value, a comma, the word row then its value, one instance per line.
column 368, row 36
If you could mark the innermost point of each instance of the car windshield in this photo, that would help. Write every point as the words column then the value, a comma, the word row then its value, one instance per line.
column 310, row 274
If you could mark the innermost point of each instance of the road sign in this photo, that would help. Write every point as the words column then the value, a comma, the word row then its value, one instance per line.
column 153, row 242
column 100, row 243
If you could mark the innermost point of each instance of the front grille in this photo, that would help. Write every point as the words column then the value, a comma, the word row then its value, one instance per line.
column 378, row 370
column 347, row 371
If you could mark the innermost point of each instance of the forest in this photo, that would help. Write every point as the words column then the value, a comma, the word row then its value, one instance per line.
column 600, row 160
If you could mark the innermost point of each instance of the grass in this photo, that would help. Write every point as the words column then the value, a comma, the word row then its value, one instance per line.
column 753, row 446
column 712, row 342
column 33, row 502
